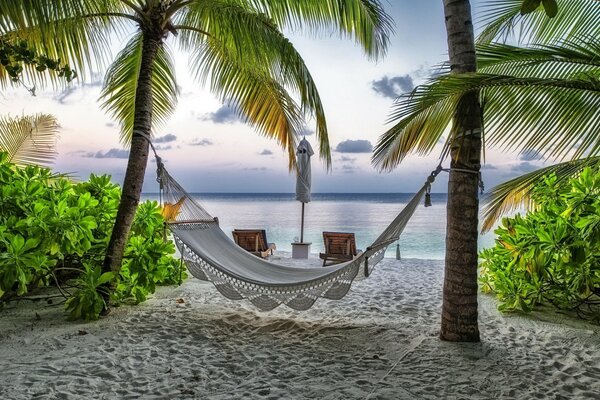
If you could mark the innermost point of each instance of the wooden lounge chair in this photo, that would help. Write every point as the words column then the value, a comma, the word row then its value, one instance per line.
column 254, row 241
column 339, row 247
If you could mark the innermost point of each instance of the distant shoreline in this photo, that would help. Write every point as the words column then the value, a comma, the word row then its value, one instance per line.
column 314, row 194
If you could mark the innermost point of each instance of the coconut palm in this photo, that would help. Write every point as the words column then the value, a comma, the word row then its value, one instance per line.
column 414, row 132
column 29, row 139
column 526, row 93
column 537, row 98
column 236, row 45
column 459, row 308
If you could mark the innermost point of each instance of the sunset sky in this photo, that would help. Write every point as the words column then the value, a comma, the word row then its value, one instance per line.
column 208, row 149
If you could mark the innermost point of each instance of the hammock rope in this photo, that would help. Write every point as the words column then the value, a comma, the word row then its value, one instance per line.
column 211, row 255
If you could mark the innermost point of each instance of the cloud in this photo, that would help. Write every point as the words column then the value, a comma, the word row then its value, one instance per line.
column 354, row 146
column 110, row 124
column 63, row 97
column 393, row 87
column 112, row 153
column 165, row 139
column 531, row 155
column 347, row 159
column 224, row 115
column 525, row 166
column 201, row 142
column 488, row 167
column 265, row 152
column 421, row 72
column 305, row 131
column 167, row 147
column 256, row 169
column 78, row 152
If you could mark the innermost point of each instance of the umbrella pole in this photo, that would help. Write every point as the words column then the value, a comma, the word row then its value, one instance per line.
column 302, row 226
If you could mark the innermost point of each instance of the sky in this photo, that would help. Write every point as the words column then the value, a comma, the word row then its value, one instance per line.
column 207, row 148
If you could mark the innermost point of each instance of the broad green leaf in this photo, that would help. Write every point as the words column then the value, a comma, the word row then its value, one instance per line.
column 105, row 277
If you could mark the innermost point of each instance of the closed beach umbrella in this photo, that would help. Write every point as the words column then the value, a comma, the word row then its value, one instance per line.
column 303, row 154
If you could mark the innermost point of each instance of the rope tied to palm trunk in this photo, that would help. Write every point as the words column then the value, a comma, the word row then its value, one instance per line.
column 439, row 169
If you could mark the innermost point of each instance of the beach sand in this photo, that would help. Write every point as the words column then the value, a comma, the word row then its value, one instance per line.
column 379, row 342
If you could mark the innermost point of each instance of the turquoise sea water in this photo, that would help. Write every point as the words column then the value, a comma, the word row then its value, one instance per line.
column 365, row 214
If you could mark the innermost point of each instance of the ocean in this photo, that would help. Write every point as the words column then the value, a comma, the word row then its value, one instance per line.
column 365, row 214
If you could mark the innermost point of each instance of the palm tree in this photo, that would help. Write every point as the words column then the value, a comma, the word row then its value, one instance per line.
column 236, row 44
column 526, row 93
column 30, row 139
column 414, row 132
column 459, row 307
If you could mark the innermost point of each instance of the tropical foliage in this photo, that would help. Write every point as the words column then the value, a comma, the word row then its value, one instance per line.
column 572, row 32
column 16, row 57
column 54, row 232
column 30, row 139
column 504, row 20
column 539, row 98
column 550, row 255
column 236, row 44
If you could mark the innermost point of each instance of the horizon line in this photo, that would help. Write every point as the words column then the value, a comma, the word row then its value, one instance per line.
column 293, row 193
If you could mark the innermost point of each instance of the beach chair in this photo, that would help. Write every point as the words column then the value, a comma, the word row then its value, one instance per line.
column 339, row 247
column 254, row 241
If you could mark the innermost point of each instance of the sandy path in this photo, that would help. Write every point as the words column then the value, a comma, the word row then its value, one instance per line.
column 380, row 342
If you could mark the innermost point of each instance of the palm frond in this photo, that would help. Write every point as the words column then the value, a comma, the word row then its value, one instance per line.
column 249, row 38
column 30, row 139
column 563, row 59
column 364, row 20
column 74, row 31
column 516, row 193
column 553, row 116
column 502, row 20
column 253, row 93
column 558, row 118
column 422, row 120
column 118, row 92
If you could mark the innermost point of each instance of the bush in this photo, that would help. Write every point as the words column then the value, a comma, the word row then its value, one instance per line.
column 551, row 254
column 53, row 231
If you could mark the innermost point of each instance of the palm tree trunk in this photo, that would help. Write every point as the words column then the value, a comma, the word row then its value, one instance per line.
column 138, row 156
column 459, row 308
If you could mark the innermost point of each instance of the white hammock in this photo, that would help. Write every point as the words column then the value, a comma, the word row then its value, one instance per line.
column 212, row 256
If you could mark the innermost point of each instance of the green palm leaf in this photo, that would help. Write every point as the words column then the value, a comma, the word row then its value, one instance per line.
column 562, row 59
column 83, row 29
column 364, row 20
column 502, row 20
column 253, row 42
column 253, row 93
column 422, row 120
column 30, row 139
column 527, row 93
column 118, row 92
column 516, row 193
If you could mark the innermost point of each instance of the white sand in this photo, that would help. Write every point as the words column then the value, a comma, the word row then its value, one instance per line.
column 379, row 342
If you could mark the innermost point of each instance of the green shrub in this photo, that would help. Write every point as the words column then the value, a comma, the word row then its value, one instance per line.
column 551, row 254
column 52, row 231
